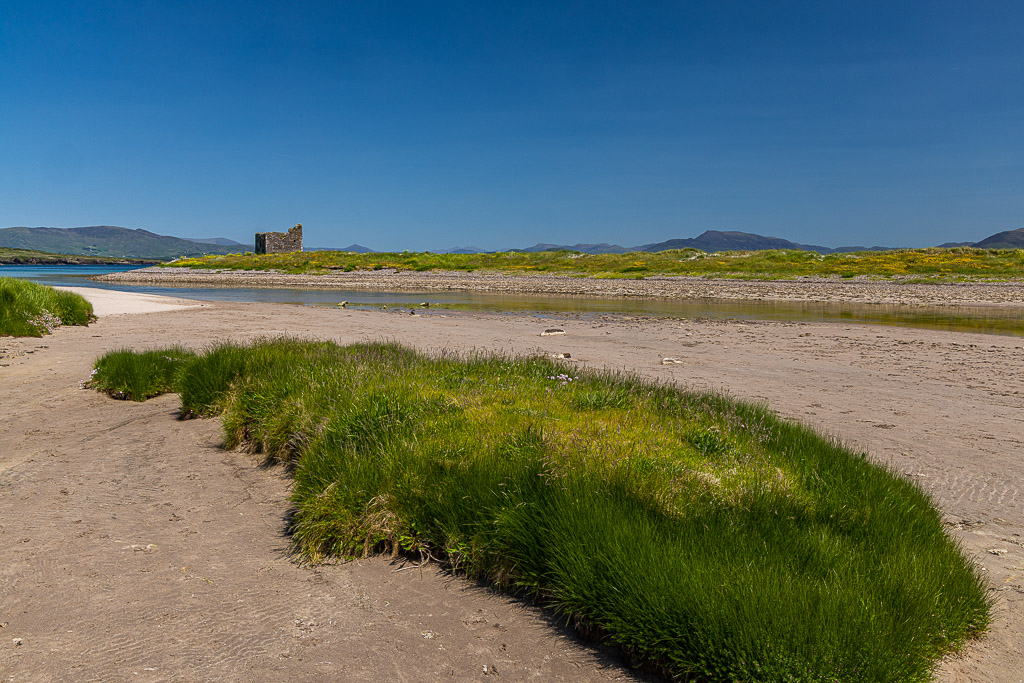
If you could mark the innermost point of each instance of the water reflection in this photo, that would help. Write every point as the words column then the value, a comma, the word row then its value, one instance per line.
column 982, row 319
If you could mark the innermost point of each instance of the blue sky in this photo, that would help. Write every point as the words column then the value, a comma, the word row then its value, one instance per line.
column 419, row 125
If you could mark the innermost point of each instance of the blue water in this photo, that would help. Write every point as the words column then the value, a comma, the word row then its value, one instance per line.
column 983, row 319
column 41, row 273
column 79, row 276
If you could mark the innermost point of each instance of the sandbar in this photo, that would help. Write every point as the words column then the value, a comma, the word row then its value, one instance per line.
column 853, row 290
column 114, row 302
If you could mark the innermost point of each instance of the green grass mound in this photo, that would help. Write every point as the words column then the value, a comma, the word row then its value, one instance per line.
column 700, row 534
column 28, row 309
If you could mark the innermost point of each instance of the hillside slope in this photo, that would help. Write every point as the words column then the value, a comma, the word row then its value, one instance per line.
column 1008, row 239
column 107, row 241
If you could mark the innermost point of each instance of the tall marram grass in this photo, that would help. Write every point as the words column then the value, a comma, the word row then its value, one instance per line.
column 700, row 534
column 29, row 309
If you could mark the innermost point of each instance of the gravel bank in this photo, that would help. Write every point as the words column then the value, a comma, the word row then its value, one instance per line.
column 853, row 291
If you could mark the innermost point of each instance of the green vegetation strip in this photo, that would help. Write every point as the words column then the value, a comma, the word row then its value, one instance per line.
column 33, row 256
column 702, row 535
column 914, row 263
column 28, row 309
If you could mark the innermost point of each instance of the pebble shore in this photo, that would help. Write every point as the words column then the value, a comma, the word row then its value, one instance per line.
column 855, row 290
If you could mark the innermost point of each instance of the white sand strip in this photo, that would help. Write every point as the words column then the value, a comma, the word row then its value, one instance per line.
column 112, row 302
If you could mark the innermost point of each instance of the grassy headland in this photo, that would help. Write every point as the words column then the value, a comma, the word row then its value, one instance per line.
column 928, row 264
column 28, row 309
column 698, row 533
column 107, row 242
column 44, row 258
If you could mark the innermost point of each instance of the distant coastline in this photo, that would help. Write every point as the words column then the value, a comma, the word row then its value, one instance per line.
column 853, row 290
column 15, row 260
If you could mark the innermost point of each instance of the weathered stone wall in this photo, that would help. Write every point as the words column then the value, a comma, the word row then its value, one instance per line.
column 279, row 242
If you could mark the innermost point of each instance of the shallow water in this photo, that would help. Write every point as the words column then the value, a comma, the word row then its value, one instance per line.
column 982, row 319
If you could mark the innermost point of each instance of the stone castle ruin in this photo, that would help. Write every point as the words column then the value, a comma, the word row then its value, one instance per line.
column 279, row 242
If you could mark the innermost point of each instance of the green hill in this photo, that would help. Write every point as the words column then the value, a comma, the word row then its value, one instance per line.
column 10, row 256
column 1009, row 239
column 108, row 241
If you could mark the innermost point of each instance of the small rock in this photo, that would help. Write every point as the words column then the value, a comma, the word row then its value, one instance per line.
column 997, row 551
column 425, row 304
column 18, row 641
column 561, row 355
column 552, row 332
column 139, row 548
column 670, row 361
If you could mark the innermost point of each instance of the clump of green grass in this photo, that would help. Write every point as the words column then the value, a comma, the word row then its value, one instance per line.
column 698, row 533
column 29, row 309
column 136, row 376
column 929, row 265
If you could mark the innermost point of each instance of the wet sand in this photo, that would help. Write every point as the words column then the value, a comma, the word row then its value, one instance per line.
column 135, row 548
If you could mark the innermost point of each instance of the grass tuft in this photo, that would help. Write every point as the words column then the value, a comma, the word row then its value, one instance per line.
column 697, row 533
column 29, row 309
column 136, row 376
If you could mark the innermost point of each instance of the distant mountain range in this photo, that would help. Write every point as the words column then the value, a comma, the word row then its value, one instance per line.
column 1009, row 239
column 357, row 248
column 731, row 240
column 719, row 240
column 222, row 241
column 113, row 242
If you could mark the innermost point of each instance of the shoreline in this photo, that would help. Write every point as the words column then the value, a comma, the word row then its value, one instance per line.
column 862, row 291
column 126, row 502
column 113, row 302
column 72, row 261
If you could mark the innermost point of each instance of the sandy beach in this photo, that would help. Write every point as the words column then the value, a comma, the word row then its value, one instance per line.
column 111, row 302
column 135, row 548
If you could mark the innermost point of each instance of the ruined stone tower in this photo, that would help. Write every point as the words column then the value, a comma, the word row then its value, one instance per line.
column 279, row 242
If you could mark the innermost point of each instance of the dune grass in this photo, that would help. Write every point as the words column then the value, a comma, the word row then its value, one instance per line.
column 29, row 309
column 700, row 534
column 136, row 376
column 925, row 264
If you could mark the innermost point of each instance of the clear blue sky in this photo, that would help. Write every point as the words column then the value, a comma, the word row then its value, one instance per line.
column 418, row 125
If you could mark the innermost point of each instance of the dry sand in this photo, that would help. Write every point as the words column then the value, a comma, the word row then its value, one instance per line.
column 134, row 548
column 112, row 302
